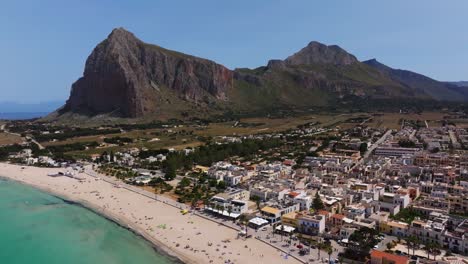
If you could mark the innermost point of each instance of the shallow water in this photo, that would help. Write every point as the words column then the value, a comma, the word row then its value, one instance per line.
column 36, row 227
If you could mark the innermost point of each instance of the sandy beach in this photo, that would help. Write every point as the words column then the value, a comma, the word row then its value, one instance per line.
column 190, row 238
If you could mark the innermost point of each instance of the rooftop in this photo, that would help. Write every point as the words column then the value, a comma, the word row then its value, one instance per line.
column 395, row 259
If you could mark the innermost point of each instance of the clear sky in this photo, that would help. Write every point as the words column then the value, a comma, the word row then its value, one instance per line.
column 44, row 43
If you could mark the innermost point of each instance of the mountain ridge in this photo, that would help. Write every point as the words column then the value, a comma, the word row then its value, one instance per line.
column 126, row 77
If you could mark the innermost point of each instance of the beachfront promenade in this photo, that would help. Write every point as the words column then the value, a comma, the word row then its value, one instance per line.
column 191, row 237
column 265, row 236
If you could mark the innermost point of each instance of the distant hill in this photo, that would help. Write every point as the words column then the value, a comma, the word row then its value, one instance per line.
column 125, row 77
column 423, row 84
column 460, row 84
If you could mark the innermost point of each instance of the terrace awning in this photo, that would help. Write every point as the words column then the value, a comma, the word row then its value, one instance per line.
column 258, row 221
column 285, row 228
column 224, row 213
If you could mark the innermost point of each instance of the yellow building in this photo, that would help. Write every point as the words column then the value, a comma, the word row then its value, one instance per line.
column 201, row 169
column 394, row 228
column 289, row 219
column 385, row 228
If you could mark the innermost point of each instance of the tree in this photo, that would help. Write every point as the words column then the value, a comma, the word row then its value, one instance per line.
column 221, row 185
column 184, row 182
column 170, row 174
column 412, row 242
column 282, row 231
column 229, row 210
column 389, row 246
column 432, row 249
column 428, row 248
column 329, row 249
column 363, row 148
column 436, row 250
column 112, row 157
column 319, row 248
column 257, row 201
column 361, row 242
column 219, row 208
column 317, row 203
column 311, row 241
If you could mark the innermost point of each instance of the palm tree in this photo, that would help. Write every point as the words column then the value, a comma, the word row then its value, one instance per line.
column 257, row 201
column 319, row 247
column 428, row 248
column 340, row 259
column 218, row 208
column 311, row 241
column 282, row 231
column 436, row 250
column 229, row 210
column 329, row 251
column 408, row 244
column 411, row 243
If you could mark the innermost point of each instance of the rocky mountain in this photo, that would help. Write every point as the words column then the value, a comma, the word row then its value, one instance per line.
column 318, row 53
column 126, row 77
column 437, row 90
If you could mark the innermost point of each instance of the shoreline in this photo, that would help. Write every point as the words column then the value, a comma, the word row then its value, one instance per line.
column 157, row 246
column 159, row 224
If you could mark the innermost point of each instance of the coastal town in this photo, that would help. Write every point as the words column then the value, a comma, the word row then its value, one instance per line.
column 234, row 132
column 337, row 194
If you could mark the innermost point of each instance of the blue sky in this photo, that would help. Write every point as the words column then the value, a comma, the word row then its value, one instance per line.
column 44, row 44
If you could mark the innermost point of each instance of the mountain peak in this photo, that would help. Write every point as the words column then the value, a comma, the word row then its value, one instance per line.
column 121, row 34
column 125, row 76
column 318, row 53
column 377, row 64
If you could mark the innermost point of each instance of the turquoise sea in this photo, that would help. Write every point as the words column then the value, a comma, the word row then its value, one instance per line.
column 36, row 227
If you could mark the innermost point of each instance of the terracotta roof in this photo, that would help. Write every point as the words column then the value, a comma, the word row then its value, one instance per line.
column 338, row 216
column 395, row 259
column 323, row 212
column 293, row 194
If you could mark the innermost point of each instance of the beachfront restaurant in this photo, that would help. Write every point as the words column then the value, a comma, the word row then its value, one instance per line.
column 285, row 229
column 223, row 212
column 258, row 222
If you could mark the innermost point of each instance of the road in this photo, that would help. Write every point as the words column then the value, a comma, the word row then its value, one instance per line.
column 372, row 148
column 377, row 143
column 2, row 128
column 266, row 235
column 35, row 142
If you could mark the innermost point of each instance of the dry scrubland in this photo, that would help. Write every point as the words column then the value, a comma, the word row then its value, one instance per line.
column 7, row 139
column 245, row 126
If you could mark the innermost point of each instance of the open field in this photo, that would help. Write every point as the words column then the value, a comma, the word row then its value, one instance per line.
column 392, row 120
column 268, row 125
column 188, row 135
column 7, row 139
